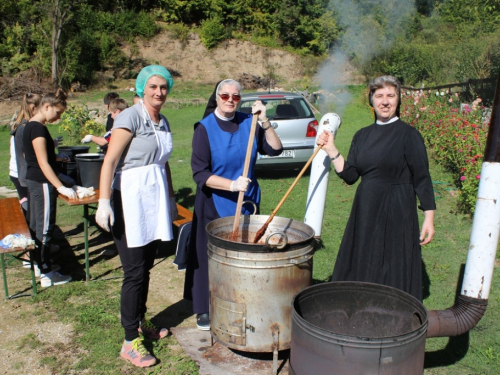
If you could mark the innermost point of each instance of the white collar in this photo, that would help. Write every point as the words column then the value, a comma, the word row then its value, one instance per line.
column 216, row 113
column 396, row 118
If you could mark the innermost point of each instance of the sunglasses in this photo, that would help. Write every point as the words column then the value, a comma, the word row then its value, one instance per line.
column 225, row 97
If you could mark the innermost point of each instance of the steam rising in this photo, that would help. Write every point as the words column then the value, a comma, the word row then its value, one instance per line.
column 370, row 28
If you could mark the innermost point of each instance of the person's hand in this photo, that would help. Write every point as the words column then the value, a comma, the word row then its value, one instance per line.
column 66, row 180
column 67, row 192
column 427, row 233
column 326, row 140
column 87, row 138
column 62, row 157
column 240, row 184
column 173, row 209
column 258, row 106
column 58, row 141
column 104, row 215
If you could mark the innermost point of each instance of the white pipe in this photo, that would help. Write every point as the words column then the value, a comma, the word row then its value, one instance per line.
column 318, row 182
column 484, row 236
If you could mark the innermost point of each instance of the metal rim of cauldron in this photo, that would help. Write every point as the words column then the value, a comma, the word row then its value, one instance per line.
column 258, row 221
column 358, row 341
column 90, row 157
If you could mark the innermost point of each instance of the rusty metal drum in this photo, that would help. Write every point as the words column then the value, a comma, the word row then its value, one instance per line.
column 252, row 285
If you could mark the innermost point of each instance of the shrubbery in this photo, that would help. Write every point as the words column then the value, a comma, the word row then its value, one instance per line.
column 76, row 122
column 212, row 31
column 455, row 135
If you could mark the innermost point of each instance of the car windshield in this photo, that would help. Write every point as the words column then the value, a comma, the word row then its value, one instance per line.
column 281, row 108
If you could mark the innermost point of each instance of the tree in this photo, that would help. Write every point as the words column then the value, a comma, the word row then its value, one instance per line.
column 60, row 13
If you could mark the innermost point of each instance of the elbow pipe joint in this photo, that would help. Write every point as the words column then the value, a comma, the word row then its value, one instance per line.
column 458, row 319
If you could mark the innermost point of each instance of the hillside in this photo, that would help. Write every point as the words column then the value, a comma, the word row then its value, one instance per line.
column 193, row 62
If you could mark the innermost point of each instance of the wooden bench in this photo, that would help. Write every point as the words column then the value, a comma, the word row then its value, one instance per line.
column 183, row 216
column 13, row 222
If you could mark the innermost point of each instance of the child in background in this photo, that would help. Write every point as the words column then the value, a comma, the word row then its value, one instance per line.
column 17, row 165
column 114, row 107
column 107, row 99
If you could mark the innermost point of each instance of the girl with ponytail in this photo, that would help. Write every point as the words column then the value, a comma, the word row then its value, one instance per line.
column 44, row 184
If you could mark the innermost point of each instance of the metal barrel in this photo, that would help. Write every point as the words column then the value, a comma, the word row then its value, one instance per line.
column 251, row 292
column 357, row 328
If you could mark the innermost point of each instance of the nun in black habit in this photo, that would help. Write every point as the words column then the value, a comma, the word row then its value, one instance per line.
column 382, row 240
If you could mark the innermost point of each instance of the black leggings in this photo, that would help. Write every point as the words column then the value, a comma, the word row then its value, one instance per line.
column 22, row 191
column 136, row 262
column 42, row 219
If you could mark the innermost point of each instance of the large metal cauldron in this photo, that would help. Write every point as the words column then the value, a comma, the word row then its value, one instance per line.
column 252, row 285
column 357, row 328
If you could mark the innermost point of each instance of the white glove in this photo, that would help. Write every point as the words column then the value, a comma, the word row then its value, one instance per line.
column 87, row 138
column 173, row 209
column 66, row 180
column 258, row 106
column 104, row 215
column 67, row 192
column 240, row 184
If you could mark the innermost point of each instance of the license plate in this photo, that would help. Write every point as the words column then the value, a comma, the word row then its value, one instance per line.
column 284, row 154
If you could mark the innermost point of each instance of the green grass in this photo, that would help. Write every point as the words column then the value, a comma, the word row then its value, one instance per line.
column 93, row 310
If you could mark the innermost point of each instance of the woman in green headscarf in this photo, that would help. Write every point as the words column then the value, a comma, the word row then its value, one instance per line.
column 135, row 171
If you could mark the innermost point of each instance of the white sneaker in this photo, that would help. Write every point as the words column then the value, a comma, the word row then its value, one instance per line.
column 53, row 278
column 55, row 267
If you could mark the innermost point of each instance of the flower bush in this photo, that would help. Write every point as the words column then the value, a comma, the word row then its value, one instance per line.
column 77, row 123
column 454, row 133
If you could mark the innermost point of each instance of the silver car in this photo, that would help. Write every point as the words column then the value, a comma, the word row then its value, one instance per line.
column 294, row 122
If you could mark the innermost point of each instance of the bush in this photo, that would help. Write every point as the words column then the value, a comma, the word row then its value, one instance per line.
column 76, row 122
column 455, row 135
column 212, row 32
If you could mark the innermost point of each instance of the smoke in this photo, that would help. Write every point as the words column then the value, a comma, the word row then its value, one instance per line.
column 370, row 28
column 332, row 78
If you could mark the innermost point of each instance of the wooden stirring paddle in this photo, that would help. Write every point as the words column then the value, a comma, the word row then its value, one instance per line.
column 248, row 156
column 263, row 229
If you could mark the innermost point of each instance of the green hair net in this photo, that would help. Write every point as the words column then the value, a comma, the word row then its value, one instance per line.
column 147, row 72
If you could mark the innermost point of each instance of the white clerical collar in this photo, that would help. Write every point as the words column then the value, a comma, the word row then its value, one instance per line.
column 388, row 122
column 216, row 113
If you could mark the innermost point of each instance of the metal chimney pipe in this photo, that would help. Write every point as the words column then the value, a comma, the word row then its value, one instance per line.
column 318, row 181
column 473, row 299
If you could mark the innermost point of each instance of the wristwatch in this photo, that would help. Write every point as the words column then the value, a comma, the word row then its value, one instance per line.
column 265, row 128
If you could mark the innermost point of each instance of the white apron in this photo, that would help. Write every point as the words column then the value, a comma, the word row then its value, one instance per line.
column 145, row 196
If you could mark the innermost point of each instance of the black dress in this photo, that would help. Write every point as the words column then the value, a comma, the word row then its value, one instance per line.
column 381, row 241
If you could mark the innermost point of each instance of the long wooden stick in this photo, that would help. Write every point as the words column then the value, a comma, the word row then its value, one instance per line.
column 263, row 229
column 236, row 224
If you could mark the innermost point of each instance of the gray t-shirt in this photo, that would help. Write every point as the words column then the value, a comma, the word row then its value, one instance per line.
column 141, row 150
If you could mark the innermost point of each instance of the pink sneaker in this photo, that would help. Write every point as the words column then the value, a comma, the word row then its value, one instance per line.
column 136, row 353
column 149, row 330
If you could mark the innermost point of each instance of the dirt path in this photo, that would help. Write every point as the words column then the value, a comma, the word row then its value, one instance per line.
column 25, row 334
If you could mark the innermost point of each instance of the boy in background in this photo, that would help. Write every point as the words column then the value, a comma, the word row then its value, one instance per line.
column 115, row 106
column 107, row 99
